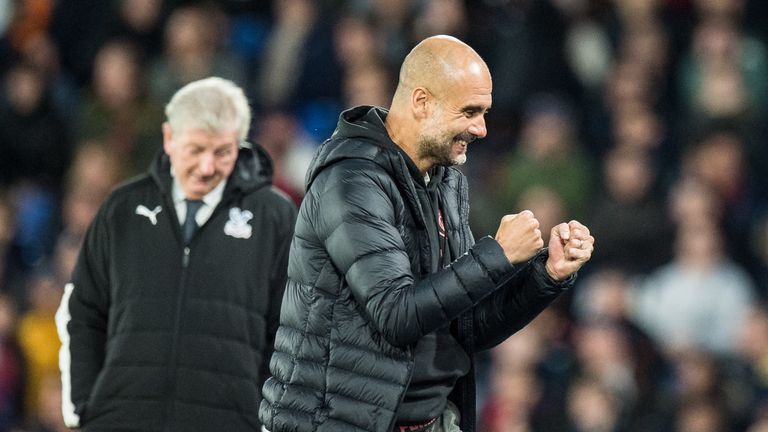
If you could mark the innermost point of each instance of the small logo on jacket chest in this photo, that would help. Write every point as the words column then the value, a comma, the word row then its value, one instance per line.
column 237, row 225
column 149, row 214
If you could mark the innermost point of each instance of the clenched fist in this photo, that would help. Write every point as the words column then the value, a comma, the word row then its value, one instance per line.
column 570, row 246
column 519, row 236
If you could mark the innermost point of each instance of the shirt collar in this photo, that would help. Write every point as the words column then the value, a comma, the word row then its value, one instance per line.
column 211, row 199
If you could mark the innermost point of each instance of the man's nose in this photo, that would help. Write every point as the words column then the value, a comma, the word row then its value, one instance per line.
column 477, row 128
column 207, row 164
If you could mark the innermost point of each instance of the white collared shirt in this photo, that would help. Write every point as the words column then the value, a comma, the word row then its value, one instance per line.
column 210, row 201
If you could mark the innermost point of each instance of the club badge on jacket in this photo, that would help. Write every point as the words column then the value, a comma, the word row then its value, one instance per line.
column 237, row 225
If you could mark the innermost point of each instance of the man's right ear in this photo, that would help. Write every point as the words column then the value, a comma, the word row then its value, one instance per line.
column 419, row 100
column 167, row 137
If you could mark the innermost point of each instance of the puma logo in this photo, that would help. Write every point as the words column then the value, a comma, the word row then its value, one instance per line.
column 150, row 214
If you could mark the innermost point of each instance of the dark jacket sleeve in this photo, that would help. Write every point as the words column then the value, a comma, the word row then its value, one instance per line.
column 356, row 221
column 518, row 301
column 82, row 322
column 277, row 280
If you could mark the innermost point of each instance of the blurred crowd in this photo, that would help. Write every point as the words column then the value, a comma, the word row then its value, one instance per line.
column 645, row 119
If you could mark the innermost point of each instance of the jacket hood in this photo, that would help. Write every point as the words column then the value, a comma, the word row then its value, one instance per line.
column 253, row 170
column 361, row 134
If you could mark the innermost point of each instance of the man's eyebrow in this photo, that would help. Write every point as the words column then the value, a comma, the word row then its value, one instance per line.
column 226, row 145
column 474, row 108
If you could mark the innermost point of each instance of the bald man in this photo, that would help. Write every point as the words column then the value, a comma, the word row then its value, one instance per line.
column 388, row 295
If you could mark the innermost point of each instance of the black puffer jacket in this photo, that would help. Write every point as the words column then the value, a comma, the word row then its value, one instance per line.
column 361, row 288
column 157, row 336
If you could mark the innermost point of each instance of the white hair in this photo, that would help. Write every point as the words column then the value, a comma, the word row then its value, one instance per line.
column 213, row 104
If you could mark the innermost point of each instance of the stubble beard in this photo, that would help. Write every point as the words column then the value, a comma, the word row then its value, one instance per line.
column 439, row 149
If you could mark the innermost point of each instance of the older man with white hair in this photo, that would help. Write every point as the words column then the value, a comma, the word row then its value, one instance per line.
column 172, row 308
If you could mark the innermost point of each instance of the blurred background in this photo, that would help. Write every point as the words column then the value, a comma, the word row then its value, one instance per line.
column 644, row 119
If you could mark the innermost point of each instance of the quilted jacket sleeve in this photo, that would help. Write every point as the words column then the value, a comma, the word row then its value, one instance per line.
column 516, row 303
column 81, row 322
column 356, row 220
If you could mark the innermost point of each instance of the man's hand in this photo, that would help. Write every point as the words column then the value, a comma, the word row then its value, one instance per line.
column 570, row 246
column 519, row 236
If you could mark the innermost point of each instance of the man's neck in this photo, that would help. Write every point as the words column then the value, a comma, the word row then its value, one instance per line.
column 406, row 141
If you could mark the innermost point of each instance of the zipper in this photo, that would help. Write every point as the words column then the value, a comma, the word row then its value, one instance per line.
column 170, row 387
column 411, row 365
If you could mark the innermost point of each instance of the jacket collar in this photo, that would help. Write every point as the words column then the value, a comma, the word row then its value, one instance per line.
column 361, row 134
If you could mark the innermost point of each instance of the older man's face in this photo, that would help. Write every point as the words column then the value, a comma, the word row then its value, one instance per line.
column 200, row 159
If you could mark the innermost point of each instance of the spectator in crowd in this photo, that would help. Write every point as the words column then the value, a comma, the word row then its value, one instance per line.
column 721, row 75
column 760, row 425
column 539, row 64
column 30, row 20
column 118, row 111
column 36, row 149
column 601, row 308
column 759, row 247
column 628, row 84
column 173, row 302
column 37, row 335
column 753, row 350
column 65, row 256
column 78, row 29
column 441, row 17
column 192, row 50
column 11, row 272
column 630, row 198
column 43, row 54
column 392, row 23
column 718, row 158
column 367, row 85
column 299, row 45
column 648, row 45
column 34, row 140
column 515, row 394
column 140, row 22
column 11, row 366
column 291, row 150
column 47, row 417
column 698, row 299
column 592, row 407
column 550, row 155
column 602, row 296
column 704, row 396
column 693, row 203
column 604, row 353
column 355, row 42
column 637, row 127
column 700, row 416
column 546, row 204
column 528, row 378
column 91, row 176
